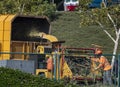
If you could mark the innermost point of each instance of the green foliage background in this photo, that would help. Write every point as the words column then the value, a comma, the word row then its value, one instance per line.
column 27, row 7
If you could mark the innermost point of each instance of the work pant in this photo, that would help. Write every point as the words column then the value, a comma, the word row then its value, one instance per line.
column 107, row 77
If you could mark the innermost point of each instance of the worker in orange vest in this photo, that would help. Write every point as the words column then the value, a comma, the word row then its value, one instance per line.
column 104, row 64
column 49, row 63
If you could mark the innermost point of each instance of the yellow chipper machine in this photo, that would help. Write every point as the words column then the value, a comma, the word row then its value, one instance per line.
column 26, row 44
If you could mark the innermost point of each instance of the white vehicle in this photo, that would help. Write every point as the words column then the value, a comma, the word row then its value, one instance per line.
column 70, row 5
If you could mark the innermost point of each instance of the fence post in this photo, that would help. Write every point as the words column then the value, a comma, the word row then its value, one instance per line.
column 54, row 61
column 58, row 66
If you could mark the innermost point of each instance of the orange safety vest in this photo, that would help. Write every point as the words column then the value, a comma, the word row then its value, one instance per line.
column 49, row 64
column 104, row 63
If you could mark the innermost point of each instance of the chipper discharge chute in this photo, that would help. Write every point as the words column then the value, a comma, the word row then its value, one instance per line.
column 21, row 34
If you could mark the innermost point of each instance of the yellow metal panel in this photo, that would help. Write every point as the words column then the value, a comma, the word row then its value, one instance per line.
column 0, row 50
column 8, row 22
column 45, row 71
column 6, row 49
column 6, row 57
column 1, row 35
column 2, row 19
column 6, row 46
column 28, row 48
column 67, row 71
column 7, row 35
column 51, row 38
column 40, row 49
column 23, row 50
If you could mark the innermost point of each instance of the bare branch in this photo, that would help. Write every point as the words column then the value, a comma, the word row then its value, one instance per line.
column 119, row 31
column 109, row 16
column 115, row 27
column 106, row 31
column 22, row 8
column 103, row 2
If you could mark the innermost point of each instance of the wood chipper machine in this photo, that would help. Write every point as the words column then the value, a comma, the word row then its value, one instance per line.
column 27, row 38
column 20, row 37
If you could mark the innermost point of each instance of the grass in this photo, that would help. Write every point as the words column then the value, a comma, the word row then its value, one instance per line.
column 66, row 27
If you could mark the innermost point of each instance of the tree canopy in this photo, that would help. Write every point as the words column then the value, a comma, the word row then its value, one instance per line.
column 27, row 7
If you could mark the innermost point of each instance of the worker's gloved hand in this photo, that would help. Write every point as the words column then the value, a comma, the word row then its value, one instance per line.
column 96, row 68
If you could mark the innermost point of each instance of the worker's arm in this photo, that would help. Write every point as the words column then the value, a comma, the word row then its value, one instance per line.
column 99, row 66
column 101, row 61
column 95, row 59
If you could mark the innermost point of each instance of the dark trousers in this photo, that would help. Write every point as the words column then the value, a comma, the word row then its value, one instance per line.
column 107, row 77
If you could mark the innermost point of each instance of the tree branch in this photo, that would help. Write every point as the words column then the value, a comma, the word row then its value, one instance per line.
column 109, row 16
column 106, row 32
column 115, row 27
column 22, row 8
column 119, row 31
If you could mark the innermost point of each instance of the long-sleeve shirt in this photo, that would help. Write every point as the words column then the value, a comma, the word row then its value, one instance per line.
column 104, row 64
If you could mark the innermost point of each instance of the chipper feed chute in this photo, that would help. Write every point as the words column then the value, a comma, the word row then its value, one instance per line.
column 79, row 61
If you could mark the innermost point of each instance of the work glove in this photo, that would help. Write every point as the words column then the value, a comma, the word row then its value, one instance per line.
column 96, row 68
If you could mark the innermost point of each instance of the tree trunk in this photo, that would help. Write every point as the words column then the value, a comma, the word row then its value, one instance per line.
column 115, row 49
